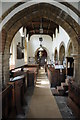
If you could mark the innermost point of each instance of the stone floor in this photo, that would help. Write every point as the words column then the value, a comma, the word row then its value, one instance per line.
column 60, row 100
column 28, row 96
column 66, row 112
column 43, row 103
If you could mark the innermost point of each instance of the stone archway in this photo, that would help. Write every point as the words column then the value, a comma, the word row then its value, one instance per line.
column 45, row 50
column 41, row 56
column 28, row 14
column 70, row 49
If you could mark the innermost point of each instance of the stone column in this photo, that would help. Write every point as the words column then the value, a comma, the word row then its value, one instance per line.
column 66, row 66
column 6, row 75
column 0, row 71
column 76, row 76
column 27, row 47
column 1, row 64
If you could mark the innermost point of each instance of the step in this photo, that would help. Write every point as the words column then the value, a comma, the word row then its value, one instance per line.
column 55, row 92
column 61, row 90
column 65, row 86
column 66, row 81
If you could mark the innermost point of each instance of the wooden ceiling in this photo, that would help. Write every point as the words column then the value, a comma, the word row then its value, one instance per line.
column 49, row 27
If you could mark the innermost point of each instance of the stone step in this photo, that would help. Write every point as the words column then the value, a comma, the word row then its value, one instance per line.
column 66, row 81
column 65, row 86
column 61, row 90
column 55, row 92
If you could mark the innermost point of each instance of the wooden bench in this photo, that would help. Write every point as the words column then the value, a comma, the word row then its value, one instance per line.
column 74, row 98
column 17, row 93
column 55, row 76
column 33, row 71
column 23, row 70
column 6, row 101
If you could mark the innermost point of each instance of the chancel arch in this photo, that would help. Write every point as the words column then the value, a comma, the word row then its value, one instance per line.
column 44, row 54
column 45, row 10
column 58, row 22
column 70, row 49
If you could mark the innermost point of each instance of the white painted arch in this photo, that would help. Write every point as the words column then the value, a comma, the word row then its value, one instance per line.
column 33, row 2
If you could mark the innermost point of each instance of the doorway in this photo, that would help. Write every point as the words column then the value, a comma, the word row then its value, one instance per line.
column 41, row 56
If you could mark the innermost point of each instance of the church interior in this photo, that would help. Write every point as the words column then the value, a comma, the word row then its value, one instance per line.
column 39, row 59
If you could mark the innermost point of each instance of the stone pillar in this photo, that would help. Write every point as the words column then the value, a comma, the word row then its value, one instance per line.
column 76, row 76
column 0, row 71
column 25, row 52
column 66, row 66
column 6, row 75
column 27, row 47
column 0, row 61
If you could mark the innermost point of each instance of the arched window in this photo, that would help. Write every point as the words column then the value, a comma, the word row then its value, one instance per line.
column 56, row 55
column 61, row 54
column 70, row 49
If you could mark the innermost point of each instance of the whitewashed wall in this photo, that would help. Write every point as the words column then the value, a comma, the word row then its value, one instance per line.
column 34, row 44
column 13, row 60
column 62, row 36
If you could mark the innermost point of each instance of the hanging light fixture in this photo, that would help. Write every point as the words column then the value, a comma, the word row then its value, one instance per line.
column 41, row 29
column 40, row 38
column 41, row 48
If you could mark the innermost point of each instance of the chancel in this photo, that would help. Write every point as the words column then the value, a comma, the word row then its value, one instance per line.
column 39, row 59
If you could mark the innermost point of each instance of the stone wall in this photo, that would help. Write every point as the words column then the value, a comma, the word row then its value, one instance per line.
column 28, row 14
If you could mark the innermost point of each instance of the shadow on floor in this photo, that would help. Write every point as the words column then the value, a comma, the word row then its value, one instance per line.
column 28, row 96
column 66, row 112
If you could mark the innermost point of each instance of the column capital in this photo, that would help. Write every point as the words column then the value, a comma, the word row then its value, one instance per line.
column 76, row 56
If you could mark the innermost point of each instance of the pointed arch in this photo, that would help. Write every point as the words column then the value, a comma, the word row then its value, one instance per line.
column 69, row 48
column 29, row 13
column 56, row 55
column 61, row 52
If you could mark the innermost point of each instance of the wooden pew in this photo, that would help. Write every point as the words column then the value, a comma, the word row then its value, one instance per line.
column 6, row 101
column 13, row 94
column 55, row 76
column 32, row 67
column 74, row 97
column 23, row 70
column 30, row 78
column 33, row 71
column 17, row 93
